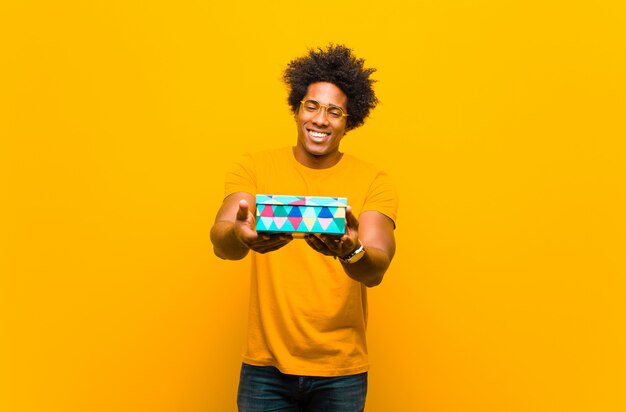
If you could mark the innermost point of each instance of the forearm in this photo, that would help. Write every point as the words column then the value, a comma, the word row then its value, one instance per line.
column 226, row 245
column 370, row 269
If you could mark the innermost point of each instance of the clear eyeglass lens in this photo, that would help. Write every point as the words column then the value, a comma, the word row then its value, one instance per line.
column 311, row 105
column 334, row 112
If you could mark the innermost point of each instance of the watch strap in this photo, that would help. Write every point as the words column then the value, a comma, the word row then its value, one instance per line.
column 355, row 256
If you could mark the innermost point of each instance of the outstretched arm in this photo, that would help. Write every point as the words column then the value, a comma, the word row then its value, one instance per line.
column 233, row 234
column 374, row 231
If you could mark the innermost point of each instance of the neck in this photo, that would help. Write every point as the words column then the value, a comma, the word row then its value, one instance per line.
column 317, row 162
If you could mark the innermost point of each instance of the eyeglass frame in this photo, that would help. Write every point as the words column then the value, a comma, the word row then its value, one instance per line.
column 326, row 107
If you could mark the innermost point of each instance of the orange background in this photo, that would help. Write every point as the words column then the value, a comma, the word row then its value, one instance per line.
column 502, row 123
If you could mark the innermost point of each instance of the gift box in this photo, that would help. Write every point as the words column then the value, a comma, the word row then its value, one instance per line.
column 301, row 214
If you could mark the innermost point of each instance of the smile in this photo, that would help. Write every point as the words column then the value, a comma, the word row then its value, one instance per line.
column 314, row 133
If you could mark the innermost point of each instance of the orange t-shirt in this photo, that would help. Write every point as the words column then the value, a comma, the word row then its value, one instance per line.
column 306, row 315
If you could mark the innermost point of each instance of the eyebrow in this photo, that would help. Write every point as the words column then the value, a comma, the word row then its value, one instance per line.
column 329, row 104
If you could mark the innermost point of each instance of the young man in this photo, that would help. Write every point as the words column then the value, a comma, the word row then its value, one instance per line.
column 306, row 347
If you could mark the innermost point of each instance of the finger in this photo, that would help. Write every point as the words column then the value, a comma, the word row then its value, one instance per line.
column 332, row 242
column 244, row 208
column 277, row 236
column 313, row 241
column 270, row 240
column 271, row 246
column 317, row 244
column 328, row 239
column 266, row 249
column 351, row 220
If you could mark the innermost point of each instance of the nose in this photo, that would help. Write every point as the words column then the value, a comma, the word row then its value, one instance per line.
column 320, row 117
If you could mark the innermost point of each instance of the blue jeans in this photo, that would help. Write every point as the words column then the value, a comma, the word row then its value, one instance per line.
column 265, row 388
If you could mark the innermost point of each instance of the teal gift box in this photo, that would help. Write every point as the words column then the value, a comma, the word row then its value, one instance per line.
column 301, row 214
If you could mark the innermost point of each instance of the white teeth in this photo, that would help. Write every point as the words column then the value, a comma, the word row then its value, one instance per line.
column 318, row 134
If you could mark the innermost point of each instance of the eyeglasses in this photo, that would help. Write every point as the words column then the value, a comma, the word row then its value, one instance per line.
column 314, row 107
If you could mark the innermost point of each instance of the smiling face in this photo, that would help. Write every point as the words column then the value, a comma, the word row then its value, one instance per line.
column 319, row 134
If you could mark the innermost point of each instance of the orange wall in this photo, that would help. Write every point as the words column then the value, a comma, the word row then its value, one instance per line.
column 502, row 123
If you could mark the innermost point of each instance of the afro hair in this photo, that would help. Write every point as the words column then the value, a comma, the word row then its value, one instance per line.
column 336, row 65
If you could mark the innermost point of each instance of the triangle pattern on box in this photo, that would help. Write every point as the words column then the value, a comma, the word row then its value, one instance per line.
column 308, row 214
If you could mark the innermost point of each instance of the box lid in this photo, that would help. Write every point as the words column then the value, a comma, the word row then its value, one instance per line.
column 288, row 200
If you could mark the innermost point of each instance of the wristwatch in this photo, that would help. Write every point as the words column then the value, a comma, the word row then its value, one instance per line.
column 354, row 256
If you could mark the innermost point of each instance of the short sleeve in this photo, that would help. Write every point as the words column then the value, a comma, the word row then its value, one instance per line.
column 241, row 177
column 382, row 196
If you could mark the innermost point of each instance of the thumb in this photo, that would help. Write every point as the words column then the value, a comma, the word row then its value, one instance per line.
column 351, row 221
column 242, row 213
